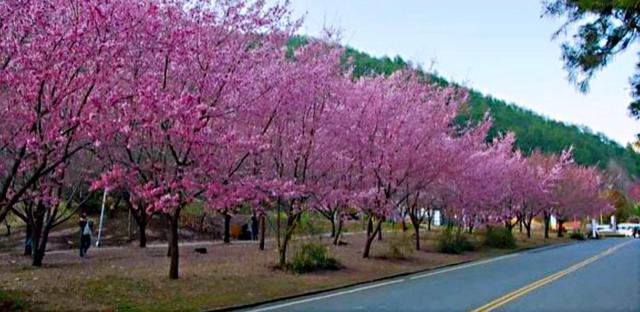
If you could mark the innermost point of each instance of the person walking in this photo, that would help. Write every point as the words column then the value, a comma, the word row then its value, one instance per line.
column 86, row 227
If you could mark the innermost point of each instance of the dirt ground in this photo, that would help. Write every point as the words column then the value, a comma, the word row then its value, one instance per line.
column 133, row 279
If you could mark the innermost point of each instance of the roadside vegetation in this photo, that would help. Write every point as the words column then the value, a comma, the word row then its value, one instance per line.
column 133, row 279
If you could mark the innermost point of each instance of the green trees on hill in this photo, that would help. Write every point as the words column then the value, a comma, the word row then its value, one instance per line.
column 533, row 131
column 536, row 132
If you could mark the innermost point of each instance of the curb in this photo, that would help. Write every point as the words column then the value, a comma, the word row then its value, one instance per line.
column 379, row 279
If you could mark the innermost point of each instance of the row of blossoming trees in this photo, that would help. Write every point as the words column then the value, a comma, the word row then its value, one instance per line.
column 171, row 102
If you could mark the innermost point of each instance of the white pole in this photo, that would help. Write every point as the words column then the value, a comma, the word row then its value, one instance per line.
column 104, row 199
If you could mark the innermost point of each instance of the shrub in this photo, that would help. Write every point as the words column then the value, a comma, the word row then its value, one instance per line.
column 312, row 257
column 578, row 234
column 499, row 237
column 398, row 247
column 10, row 301
column 454, row 242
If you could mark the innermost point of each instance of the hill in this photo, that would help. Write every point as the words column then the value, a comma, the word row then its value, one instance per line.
column 533, row 131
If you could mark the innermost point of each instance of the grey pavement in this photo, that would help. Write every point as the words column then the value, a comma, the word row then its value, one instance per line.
column 610, row 283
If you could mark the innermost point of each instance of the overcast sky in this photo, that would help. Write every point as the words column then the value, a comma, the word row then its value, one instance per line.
column 499, row 47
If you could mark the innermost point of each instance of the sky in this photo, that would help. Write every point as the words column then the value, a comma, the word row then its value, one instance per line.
column 499, row 47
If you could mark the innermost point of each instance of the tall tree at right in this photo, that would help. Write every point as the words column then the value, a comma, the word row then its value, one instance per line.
column 604, row 29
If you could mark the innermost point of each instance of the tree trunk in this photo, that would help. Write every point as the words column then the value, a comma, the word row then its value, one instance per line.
column 292, row 221
column 173, row 245
column 37, row 257
column 527, row 226
column 560, row 229
column 279, row 205
column 404, row 225
column 470, row 229
column 40, row 238
column 370, row 238
column 282, row 248
column 336, row 239
column 380, row 232
column 40, row 249
column 429, row 220
column 415, row 221
column 4, row 211
column 547, row 220
column 142, row 234
column 369, row 227
column 416, row 228
column 262, row 230
column 141, row 219
column 333, row 225
column 8, row 226
column 509, row 226
column 282, row 252
column 37, row 253
column 227, row 229
column 520, row 224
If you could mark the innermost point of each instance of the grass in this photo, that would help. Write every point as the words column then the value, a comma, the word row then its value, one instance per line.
column 11, row 301
column 130, row 279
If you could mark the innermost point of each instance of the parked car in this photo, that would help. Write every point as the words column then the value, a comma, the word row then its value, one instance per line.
column 604, row 230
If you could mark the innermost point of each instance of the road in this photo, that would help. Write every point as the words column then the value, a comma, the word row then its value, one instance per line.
column 597, row 275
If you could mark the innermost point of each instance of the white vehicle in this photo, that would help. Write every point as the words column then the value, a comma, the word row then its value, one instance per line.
column 626, row 229
column 603, row 228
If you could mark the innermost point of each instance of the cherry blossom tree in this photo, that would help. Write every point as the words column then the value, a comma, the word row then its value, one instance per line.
column 197, row 75
column 399, row 138
column 55, row 69
column 480, row 193
column 58, row 60
column 542, row 171
column 299, row 139
column 441, row 153
column 579, row 193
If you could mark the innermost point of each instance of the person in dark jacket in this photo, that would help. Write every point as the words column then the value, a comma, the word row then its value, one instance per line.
column 86, row 227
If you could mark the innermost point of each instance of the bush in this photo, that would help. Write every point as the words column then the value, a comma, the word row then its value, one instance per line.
column 578, row 235
column 10, row 301
column 398, row 247
column 454, row 242
column 312, row 257
column 499, row 237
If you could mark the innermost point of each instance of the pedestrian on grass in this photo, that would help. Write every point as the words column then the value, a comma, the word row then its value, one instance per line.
column 86, row 227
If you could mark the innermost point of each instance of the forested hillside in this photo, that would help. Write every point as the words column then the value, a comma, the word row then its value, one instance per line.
column 533, row 130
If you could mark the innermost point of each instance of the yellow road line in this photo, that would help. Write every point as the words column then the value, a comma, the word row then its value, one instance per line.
column 539, row 283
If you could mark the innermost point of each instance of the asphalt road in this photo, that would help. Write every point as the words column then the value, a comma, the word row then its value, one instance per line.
column 598, row 275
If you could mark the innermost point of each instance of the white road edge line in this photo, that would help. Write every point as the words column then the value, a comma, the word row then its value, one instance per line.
column 327, row 296
column 287, row 304
column 464, row 266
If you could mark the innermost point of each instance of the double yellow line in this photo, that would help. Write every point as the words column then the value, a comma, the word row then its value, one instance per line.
column 539, row 283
